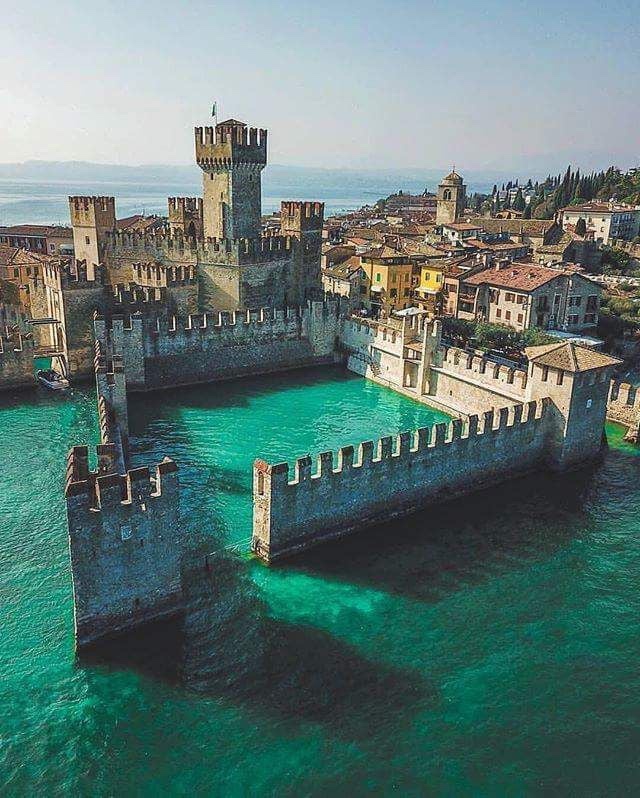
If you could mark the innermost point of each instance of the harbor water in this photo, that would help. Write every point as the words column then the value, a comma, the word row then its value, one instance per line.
column 485, row 647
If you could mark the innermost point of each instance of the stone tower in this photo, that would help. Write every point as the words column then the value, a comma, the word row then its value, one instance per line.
column 451, row 199
column 185, row 216
column 577, row 380
column 232, row 157
column 91, row 219
column 125, row 543
column 303, row 222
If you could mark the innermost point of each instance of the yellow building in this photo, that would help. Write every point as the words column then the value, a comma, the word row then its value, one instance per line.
column 431, row 284
column 389, row 273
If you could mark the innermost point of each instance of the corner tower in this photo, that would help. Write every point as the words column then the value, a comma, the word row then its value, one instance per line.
column 452, row 194
column 303, row 222
column 91, row 219
column 232, row 157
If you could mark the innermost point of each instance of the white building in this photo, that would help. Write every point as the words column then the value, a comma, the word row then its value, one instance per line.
column 606, row 220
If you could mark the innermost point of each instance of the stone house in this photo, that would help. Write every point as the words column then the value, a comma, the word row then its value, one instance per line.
column 525, row 295
column 348, row 279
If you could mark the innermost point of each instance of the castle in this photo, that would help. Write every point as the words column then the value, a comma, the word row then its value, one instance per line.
column 206, row 297
column 208, row 256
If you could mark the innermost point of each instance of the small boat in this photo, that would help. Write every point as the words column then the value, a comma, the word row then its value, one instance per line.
column 52, row 380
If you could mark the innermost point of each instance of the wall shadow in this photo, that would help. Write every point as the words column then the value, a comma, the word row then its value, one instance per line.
column 450, row 547
column 228, row 647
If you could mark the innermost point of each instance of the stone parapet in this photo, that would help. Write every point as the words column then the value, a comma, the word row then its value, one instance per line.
column 391, row 477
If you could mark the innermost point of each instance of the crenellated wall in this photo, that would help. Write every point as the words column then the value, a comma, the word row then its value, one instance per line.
column 162, row 352
column 624, row 408
column 125, row 543
column 393, row 477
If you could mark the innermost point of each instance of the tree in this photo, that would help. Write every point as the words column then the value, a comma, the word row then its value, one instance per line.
column 581, row 227
column 518, row 201
column 527, row 211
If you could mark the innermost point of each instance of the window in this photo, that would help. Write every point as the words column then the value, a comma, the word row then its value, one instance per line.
column 575, row 301
column 498, row 313
column 590, row 318
column 560, row 378
column 574, row 318
column 438, row 278
column 393, row 293
column 520, row 299
column 87, row 240
column 545, row 373
column 509, row 297
column 520, row 317
column 508, row 315
column 378, row 277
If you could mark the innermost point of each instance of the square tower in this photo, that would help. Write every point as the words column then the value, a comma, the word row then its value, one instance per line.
column 232, row 157
column 451, row 199
column 91, row 219
column 185, row 216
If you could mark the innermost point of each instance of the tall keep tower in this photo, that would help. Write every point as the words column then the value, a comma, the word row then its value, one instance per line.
column 452, row 194
column 232, row 157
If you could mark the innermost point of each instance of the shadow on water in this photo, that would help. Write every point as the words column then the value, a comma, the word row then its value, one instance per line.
column 449, row 547
column 228, row 647
column 238, row 392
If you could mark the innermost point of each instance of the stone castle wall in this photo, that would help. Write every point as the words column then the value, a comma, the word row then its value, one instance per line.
column 393, row 477
column 16, row 360
column 125, row 543
column 624, row 408
column 164, row 352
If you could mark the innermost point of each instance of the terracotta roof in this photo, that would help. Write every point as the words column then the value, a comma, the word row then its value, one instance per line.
column 453, row 177
column 520, row 276
column 7, row 254
column 345, row 269
column 536, row 227
column 501, row 246
column 50, row 231
column 569, row 356
column 600, row 207
column 463, row 226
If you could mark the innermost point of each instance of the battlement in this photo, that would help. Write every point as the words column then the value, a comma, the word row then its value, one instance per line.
column 92, row 211
column 481, row 368
column 103, row 489
column 183, row 206
column 127, row 296
column 164, row 275
column 174, row 246
column 125, row 542
column 303, row 216
column 227, row 146
column 391, row 477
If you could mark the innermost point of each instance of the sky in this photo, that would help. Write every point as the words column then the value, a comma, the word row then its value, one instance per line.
column 354, row 84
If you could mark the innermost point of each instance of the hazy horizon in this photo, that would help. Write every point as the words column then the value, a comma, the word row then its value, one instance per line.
column 504, row 86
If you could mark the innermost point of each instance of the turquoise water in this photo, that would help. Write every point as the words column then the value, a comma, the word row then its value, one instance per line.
column 488, row 647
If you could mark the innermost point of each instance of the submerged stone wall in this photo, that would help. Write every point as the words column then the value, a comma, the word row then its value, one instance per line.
column 393, row 477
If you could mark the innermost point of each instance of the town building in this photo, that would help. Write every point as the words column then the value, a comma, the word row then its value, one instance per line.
column 390, row 278
column 607, row 221
column 525, row 295
column 451, row 199
column 43, row 238
column 348, row 279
